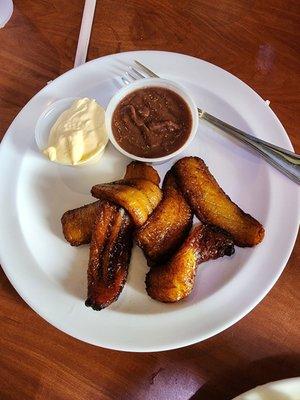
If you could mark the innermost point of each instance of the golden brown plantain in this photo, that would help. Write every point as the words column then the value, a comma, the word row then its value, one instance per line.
column 212, row 206
column 150, row 190
column 110, row 252
column 167, row 226
column 77, row 224
column 175, row 280
column 139, row 197
column 137, row 169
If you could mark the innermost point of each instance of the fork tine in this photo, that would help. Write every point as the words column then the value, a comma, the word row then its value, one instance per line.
column 147, row 70
column 125, row 81
column 131, row 76
column 137, row 73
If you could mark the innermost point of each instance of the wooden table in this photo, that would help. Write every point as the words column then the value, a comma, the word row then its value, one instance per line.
column 259, row 42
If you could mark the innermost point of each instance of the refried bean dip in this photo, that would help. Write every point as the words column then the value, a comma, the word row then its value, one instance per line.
column 151, row 122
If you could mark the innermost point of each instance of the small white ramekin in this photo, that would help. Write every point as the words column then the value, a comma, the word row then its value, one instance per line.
column 145, row 83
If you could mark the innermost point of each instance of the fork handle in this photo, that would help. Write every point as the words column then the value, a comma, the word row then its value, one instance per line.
column 285, row 161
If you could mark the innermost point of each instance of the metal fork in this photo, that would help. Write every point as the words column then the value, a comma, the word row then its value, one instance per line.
column 285, row 161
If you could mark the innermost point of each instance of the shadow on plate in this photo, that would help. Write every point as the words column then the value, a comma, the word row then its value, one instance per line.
column 74, row 280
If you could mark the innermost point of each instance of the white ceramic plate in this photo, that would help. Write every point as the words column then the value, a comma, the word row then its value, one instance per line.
column 50, row 275
column 287, row 389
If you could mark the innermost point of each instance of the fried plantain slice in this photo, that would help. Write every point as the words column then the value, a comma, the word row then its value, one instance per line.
column 132, row 199
column 167, row 226
column 138, row 197
column 174, row 280
column 212, row 206
column 77, row 224
column 150, row 190
column 110, row 252
column 137, row 169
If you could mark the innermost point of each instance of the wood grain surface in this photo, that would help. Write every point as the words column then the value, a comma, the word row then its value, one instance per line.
column 259, row 42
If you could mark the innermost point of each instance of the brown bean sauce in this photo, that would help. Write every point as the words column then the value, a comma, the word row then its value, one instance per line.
column 152, row 122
